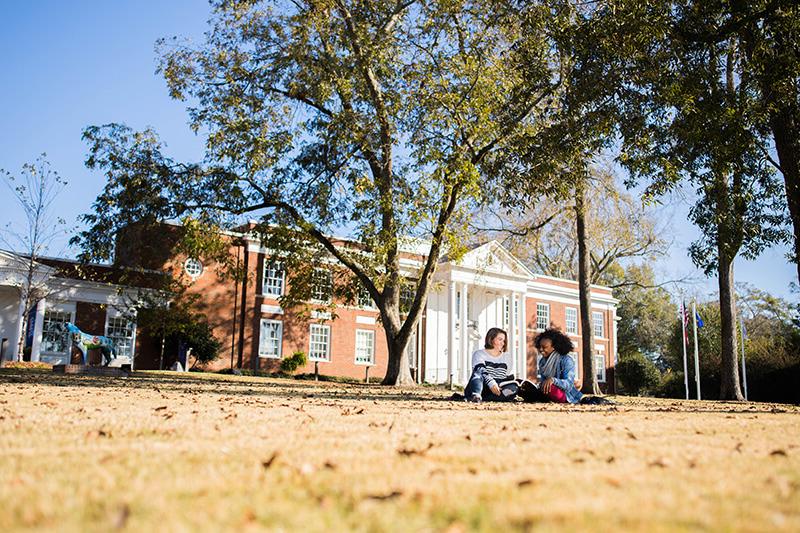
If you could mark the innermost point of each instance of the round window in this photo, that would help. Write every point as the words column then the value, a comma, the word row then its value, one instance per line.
column 193, row 267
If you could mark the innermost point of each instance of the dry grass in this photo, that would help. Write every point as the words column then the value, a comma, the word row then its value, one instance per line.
column 170, row 452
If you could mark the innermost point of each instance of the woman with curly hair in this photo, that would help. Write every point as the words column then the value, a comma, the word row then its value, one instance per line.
column 556, row 377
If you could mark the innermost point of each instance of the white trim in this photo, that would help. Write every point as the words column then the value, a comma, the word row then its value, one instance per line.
column 262, row 341
column 366, row 320
column 271, row 309
column 566, row 320
column 327, row 358
column 371, row 362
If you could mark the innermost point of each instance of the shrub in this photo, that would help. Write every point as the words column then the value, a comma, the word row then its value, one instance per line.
column 290, row 364
column 637, row 374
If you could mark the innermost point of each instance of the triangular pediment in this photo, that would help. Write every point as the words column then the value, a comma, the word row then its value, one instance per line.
column 492, row 258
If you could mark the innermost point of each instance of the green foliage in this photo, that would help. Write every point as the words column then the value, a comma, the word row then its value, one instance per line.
column 179, row 323
column 645, row 311
column 385, row 118
column 290, row 364
column 772, row 346
column 637, row 374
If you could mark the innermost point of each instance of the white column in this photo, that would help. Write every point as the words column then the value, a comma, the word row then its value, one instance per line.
column 37, row 330
column 451, row 338
column 511, row 336
column 464, row 332
column 523, row 341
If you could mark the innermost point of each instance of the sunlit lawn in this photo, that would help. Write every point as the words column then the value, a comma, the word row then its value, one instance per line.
column 185, row 452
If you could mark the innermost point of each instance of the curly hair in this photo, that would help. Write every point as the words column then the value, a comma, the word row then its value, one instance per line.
column 561, row 343
column 491, row 334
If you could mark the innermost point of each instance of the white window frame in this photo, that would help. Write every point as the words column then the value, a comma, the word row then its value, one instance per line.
column 600, row 366
column 572, row 331
column 270, row 282
column 370, row 346
column 119, row 316
column 67, row 310
column 317, row 330
column 315, row 284
column 363, row 299
column 263, row 341
column 598, row 324
column 193, row 261
column 539, row 315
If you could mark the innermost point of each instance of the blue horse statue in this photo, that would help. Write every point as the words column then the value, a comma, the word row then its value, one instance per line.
column 85, row 342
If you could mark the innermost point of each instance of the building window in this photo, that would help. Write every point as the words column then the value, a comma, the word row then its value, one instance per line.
column 597, row 321
column 319, row 348
column 121, row 332
column 407, row 298
column 542, row 316
column 365, row 347
column 600, row 367
column 321, row 285
column 269, row 343
column 273, row 278
column 364, row 299
column 55, row 337
column 193, row 267
column 571, row 320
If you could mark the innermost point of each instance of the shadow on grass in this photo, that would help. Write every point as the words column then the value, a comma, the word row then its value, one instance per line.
column 284, row 388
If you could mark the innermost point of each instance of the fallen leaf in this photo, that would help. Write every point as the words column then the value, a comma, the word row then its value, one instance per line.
column 268, row 463
column 389, row 496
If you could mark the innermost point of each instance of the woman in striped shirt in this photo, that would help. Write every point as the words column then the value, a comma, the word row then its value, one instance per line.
column 490, row 367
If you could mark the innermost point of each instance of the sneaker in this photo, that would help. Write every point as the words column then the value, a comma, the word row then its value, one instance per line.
column 476, row 398
column 595, row 400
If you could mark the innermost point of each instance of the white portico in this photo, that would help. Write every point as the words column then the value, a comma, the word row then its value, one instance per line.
column 486, row 288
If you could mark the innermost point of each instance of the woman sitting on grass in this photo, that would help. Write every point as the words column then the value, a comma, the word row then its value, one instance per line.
column 556, row 377
column 489, row 369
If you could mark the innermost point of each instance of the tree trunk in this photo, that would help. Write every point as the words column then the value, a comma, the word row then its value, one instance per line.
column 787, row 144
column 729, row 373
column 398, row 371
column 589, row 383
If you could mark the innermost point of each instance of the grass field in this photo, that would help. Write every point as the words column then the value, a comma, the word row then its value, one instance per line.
column 187, row 452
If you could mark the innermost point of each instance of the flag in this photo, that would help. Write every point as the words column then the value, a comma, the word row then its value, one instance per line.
column 684, row 315
column 700, row 322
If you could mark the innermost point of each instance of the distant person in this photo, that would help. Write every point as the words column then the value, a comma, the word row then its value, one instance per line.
column 490, row 379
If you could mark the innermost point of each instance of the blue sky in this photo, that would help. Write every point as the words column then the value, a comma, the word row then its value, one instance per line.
column 68, row 65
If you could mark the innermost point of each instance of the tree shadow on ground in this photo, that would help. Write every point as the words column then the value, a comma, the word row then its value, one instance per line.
column 289, row 389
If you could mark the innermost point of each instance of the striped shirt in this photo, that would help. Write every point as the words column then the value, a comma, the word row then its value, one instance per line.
column 496, row 368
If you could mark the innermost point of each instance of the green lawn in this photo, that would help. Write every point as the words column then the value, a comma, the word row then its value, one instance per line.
column 186, row 452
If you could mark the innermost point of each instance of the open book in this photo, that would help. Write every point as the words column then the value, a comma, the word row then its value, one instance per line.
column 525, row 388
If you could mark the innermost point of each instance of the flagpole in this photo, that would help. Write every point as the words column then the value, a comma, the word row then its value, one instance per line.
column 683, row 343
column 696, row 356
column 744, row 367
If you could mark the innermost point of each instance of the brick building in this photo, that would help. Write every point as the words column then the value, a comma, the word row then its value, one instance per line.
column 488, row 287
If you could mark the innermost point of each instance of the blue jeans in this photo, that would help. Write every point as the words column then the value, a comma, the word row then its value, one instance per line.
column 476, row 385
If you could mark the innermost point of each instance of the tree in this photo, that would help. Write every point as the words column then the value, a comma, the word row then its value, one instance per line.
column 637, row 373
column 686, row 117
column 556, row 164
column 767, row 33
column 35, row 189
column 381, row 118
column 619, row 228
